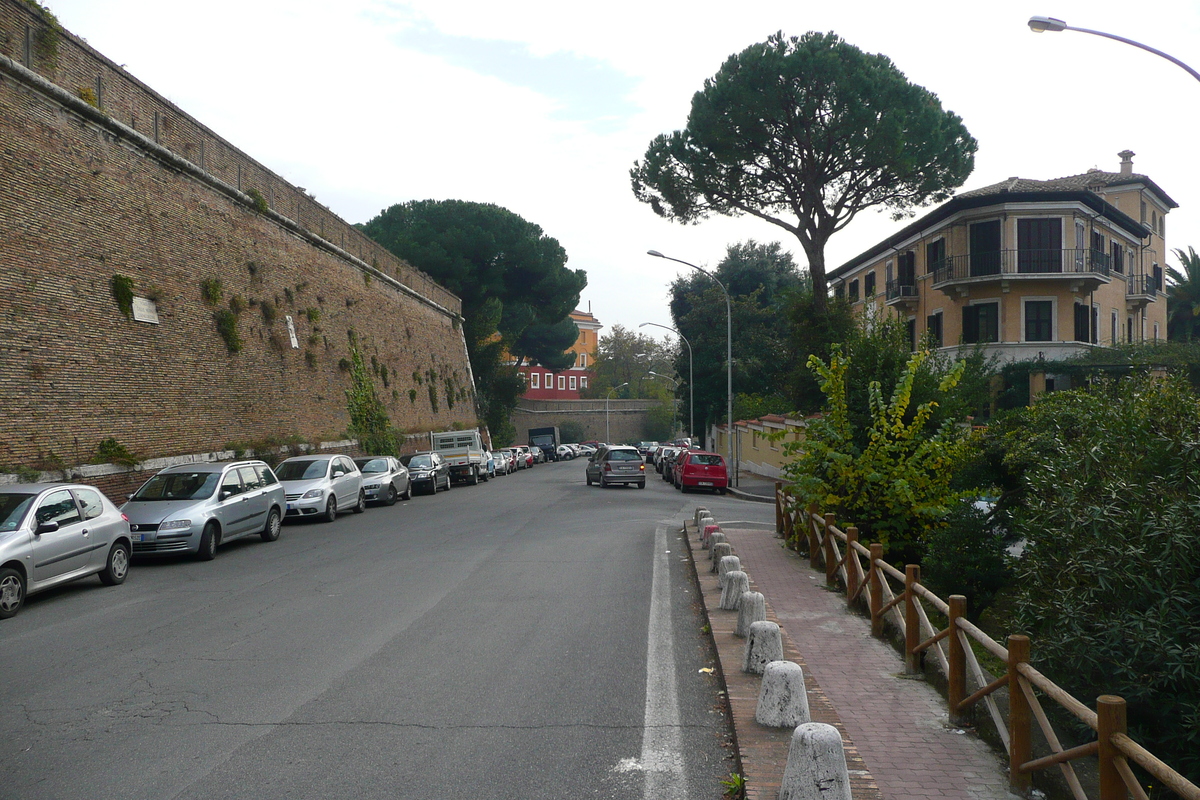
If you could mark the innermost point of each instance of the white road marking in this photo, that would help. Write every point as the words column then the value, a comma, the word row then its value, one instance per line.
column 662, row 745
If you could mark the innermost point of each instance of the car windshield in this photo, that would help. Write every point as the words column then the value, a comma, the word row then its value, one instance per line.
column 707, row 460
column 12, row 510
column 623, row 455
column 419, row 462
column 372, row 464
column 303, row 470
column 178, row 486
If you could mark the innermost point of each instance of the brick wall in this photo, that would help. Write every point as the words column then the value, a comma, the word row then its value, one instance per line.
column 626, row 419
column 86, row 195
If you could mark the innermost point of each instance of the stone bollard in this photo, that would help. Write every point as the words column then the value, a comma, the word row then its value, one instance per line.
column 709, row 530
column 752, row 607
column 705, row 522
column 719, row 551
column 763, row 645
column 737, row 583
column 816, row 765
column 715, row 539
column 728, row 564
column 701, row 512
column 782, row 698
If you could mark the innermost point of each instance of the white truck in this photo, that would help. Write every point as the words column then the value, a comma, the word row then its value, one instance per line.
column 464, row 452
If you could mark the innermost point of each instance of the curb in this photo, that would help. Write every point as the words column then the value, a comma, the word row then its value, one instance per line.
column 754, row 498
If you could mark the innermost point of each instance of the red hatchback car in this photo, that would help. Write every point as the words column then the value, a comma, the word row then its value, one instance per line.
column 697, row 469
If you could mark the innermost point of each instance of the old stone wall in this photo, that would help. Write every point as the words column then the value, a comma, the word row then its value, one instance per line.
column 137, row 193
column 626, row 419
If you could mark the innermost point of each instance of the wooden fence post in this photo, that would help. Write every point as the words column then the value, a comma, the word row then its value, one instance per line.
column 814, row 545
column 830, row 558
column 1020, row 747
column 957, row 690
column 851, row 563
column 779, row 508
column 1110, row 717
column 912, row 623
column 876, row 579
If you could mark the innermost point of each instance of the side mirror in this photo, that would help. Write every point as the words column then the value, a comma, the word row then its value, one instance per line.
column 49, row 526
column 337, row 473
column 224, row 494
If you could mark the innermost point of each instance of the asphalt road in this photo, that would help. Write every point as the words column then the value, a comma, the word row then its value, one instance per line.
column 530, row 637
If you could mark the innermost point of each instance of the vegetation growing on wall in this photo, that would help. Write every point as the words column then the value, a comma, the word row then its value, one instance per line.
column 211, row 291
column 88, row 95
column 122, row 292
column 369, row 422
column 226, row 321
column 110, row 451
column 256, row 198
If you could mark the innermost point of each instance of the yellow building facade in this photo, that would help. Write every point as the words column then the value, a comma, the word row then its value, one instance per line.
column 1026, row 268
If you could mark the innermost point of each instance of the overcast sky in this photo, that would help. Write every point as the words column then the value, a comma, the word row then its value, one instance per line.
column 542, row 107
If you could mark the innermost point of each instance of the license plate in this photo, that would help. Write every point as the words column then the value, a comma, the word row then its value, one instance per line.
column 704, row 483
column 135, row 537
column 291, row 506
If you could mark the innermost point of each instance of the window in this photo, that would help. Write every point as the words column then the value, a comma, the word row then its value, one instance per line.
column 1082, row 332
column 869, row 285
column 981, row 323
column 1118, row 256
column 1039, row 245
column 562, row 382
column 754, row 440
column 583, row 360
column 911, row 327
column 1156, row 331
column 933, row 328
column 249, row 478
column 935, row 256
column 985, row 248
column 1153, row 220
column 906, row 269
column 1096, row 323
column 1113, row 338
column 535, row 380
column 231, row 484
column 583, row 381
column 58, row 507
column 90, row 500
column 1039, row 320
column 854, row 291
column 574, row 383
column 1143, row 217
column 265, row 476
column 1157, row 273
column 1129, row 329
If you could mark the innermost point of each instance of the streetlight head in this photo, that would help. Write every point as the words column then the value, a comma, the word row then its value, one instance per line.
column 644, row 324
column 1043, row 24
column 655, row 253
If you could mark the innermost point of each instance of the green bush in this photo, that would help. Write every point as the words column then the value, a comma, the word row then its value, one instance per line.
column 110, row 451
column 227, row 327
column 211, row 291
column 967, row 556
column 122, row 292
column 369, row 422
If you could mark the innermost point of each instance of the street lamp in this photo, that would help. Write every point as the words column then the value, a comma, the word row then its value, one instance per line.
column 728, row 352
column 607, row 431
column 1044, row 24
column 691, row 388
column 674, row 382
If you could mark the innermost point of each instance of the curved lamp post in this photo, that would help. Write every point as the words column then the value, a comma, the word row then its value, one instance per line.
column 728, row 353
column 1052, row 25
column 691, row 389
column 607, row 432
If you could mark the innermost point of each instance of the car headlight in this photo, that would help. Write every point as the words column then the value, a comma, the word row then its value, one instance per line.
column 370, row 485
column 311, row 493
column 175, row 525
column 418, row 474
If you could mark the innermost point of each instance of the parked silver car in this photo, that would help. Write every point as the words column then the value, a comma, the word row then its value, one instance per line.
column 384, row 479
column 54, row 533
column 319, row 485
column 616, row 464
column 192, row 508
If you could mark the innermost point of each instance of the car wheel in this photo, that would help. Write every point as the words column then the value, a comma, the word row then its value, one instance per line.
column 361, row 505
column 390, row 499
column 589, row 479
column 330, row 510
column 117, row 566
column 723, row 491
column 274, row 523
column 603, row 483
column 449, row 483
column 641, row 484
column 474, row 477
column 208, row 542
column 12, row 592
column 407, row 492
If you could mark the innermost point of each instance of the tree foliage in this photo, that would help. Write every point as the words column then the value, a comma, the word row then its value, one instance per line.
column 805, row 133
column 895, row 486
column 626, row 356
column 517, row 293
column 1183, row 297
column 1109, row 508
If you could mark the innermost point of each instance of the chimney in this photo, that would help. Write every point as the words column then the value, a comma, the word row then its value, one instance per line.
column 1126, row 162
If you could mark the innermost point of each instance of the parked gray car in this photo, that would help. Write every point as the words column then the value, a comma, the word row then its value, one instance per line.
column 618, row 464
column 384, row 479
column 193, row 508
column 54, row 533
column 320, row 485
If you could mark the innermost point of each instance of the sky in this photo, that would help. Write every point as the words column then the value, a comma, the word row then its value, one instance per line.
column 543, row 107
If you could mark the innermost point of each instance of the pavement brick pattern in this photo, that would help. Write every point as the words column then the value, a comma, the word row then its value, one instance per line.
column 899, row 744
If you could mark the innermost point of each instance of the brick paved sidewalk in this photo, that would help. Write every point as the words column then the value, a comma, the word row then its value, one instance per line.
column 898, row 724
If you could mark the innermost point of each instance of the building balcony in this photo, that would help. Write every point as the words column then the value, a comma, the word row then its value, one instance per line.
column 1140, row 289
column 901, row 293
column 1090, row 268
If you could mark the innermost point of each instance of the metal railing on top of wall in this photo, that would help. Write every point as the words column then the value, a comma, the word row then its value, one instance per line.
column 841, row 553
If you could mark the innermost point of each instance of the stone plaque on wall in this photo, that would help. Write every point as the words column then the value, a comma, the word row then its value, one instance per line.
column 291, row 326
column 144, row 310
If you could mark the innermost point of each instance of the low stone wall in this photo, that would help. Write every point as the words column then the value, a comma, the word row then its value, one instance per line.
column 624, row 420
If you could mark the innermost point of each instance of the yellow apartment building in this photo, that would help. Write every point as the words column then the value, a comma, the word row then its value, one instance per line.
column 1026, row 267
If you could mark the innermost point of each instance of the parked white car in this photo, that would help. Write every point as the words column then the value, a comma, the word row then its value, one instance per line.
column 321, row 485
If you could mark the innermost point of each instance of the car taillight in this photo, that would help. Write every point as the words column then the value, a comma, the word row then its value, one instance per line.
column 607, row 467
column 125, row 518
column 642, row 467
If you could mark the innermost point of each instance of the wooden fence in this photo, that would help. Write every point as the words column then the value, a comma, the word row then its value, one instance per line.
column 841, row 554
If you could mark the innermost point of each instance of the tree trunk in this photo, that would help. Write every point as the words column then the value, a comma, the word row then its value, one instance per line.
column 816, row 269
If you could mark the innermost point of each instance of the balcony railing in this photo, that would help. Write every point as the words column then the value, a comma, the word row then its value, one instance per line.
column 1003, row 263
column 897, row 290
column 1141, row 286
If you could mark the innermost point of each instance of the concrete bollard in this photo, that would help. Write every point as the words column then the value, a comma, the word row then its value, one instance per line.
column 737, row 583
column 816, row 765
column 782, row 698
column 719, row 551
column 709, row 530
column 701, row 512
column 752, row 607
column 763, row 645
column 705, row 522
column 728, row 564
column 715, row 539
